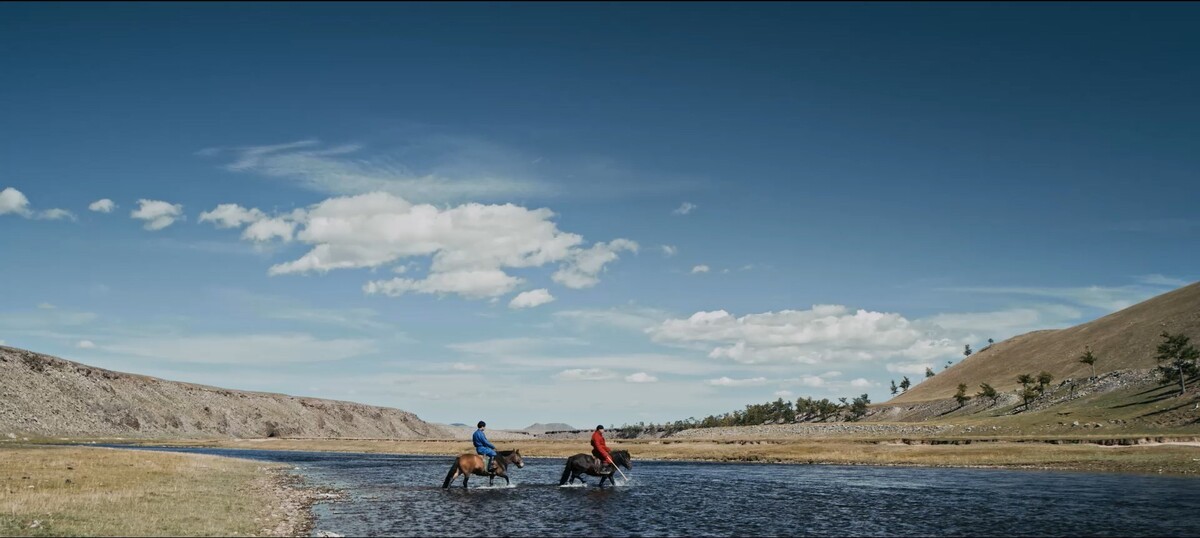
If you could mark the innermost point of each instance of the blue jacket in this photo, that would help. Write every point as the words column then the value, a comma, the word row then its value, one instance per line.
column 481, row 441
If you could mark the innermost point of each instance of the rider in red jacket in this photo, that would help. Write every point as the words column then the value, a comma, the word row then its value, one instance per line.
column 599, row 449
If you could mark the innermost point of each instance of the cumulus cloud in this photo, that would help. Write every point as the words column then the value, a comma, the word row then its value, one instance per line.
column 103, row 205
column 530, row 299
column 861, row 383
column 470, row 245
column 823, row 334
column 584, row 265
column 700, row 269
column 641, row 377
column 585, row 374
column 231, row 216
column 157, row 214
column 14, row 201
column 684, row 208
column 728, row 382
column 669, row 250
column 56, row 214
column 85, row 344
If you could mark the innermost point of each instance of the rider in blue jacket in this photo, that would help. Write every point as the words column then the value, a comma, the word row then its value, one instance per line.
column 482, row 446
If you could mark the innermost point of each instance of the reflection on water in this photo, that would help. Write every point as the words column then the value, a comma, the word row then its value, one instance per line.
column 402, row 495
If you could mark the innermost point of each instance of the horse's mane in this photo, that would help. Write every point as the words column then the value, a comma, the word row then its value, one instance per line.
column 505, row 453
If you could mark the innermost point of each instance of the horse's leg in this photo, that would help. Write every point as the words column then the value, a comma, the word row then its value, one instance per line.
column 465, row 477
column 506, row 481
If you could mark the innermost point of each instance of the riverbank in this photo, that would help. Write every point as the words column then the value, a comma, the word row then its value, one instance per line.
column 1099, row 455
column 65, row 491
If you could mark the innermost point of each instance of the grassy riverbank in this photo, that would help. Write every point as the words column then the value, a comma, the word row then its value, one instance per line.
column 1152, row 458
column 65, row 491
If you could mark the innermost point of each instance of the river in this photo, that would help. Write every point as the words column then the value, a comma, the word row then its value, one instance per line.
column 402, row 495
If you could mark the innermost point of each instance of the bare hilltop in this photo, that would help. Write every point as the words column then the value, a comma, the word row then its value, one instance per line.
column 48, row 396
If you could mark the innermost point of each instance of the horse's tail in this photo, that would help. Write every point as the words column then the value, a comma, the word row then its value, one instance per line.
column 566, row 474
column 450, row 475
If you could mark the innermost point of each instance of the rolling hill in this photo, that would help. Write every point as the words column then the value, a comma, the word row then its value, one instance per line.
column 48, row 396
column 1123, row 340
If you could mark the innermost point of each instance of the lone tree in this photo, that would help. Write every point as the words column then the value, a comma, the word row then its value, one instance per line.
column 1043, row 379
column 1176, row 359
column 1028, row 394
column 905, row 383
column 948, row 363
column 961, row 396
column 858, row 408
column 990, row 342
column 967, row 350
column 1089, row 359
column 986, row 391
column 928, row 372
column 894, row 389
column 1025, row 380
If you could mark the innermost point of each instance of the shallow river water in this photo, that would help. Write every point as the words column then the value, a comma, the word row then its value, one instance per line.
column 402, row 495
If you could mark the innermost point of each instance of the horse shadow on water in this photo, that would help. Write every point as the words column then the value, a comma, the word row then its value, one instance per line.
column 581, row 464
column 473, row 464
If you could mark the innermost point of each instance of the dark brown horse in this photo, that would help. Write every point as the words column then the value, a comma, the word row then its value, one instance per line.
column 581, row 464
column 473, row 464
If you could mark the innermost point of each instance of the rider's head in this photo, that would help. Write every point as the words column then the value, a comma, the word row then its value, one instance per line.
column 481, row 424
column 600, row 427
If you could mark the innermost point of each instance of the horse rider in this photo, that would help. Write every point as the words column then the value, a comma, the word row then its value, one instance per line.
column 599, row 448
column 483, row 447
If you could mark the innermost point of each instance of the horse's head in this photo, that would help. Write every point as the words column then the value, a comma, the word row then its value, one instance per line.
column 515, row 457
column 622, row 458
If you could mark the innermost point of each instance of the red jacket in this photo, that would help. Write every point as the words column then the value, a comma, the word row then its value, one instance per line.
column 599, row 446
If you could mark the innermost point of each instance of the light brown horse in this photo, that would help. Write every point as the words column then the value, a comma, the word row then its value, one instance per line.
column 473, row 464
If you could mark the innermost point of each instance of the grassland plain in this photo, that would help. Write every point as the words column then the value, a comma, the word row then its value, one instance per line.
column 85, row 491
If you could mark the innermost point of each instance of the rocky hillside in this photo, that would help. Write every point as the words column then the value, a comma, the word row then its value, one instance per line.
column 1123, row 340
column 43, row 395
column 539, row 427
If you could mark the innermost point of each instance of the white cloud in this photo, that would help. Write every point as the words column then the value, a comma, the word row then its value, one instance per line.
column 728, row 382
column 470, row 244
column 824, row 334
column 700, row 269
column 530, row 299
column 103, row 205
column 267, row 229
column 641, row 377
column 46, row 306
column 231, row 216
column 157, row 214
column 1162, row 280
column 668, row 250
column 785, row 394
column 584, row 265
column 909, row 368
column 14, row 201
column 463, row 367
column 684, row 208
column 455, row 174
column 2, row 343
column 85, row 344
column 585, row 374
column 251, row 349
column 861, row 383
column 56, row 214
column 469, row 284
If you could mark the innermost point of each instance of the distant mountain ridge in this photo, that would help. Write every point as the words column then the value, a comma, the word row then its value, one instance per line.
column 44, row 395
column 550, row 427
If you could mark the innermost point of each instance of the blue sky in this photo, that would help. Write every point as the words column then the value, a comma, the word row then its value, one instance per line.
column 698, row 206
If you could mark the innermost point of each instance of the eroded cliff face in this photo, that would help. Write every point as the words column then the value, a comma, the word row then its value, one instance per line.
column 44, row 395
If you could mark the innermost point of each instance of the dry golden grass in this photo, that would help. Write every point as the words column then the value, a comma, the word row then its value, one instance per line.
column 1173, row 459
column 56, row 491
